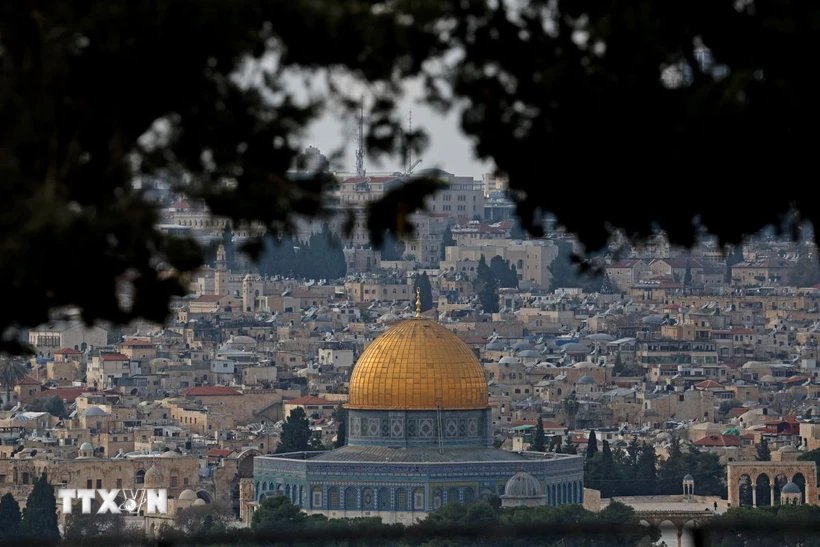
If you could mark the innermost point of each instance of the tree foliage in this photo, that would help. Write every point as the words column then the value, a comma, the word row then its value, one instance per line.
column 53, row 405
column 321, row 257
column 9, row 518
column 539, row 439
column 295, row 433
column 504, row 272
column 567, row 274
column 11, row 373
column 40, row 515
column 485, row 285
column 764, row 454
column 340, row 415
column 78, row 126
column 636, row 471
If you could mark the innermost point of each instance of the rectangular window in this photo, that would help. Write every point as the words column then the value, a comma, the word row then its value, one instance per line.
column 317, row 499
column 174, row 481
column 99, row 483
column 119, row 484
column 418, row 500
column 89, row 484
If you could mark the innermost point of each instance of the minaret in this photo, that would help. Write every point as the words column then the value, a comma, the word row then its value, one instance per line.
column 418, row 302
column 221, row 275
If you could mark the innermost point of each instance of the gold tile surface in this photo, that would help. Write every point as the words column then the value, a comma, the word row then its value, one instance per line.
column 417, row 365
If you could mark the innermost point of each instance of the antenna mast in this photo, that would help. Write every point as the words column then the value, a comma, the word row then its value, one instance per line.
column 409, row 148
column 360, row 150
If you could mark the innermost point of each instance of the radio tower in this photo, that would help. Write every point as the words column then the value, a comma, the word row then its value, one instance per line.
column 360, row 151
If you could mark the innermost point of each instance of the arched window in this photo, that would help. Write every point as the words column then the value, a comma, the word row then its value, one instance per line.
column 452, row 495
column 469, row 495
column 140, row 477
column 333, row 497
column 316, row 502
column 436, row 498
column 401, row 499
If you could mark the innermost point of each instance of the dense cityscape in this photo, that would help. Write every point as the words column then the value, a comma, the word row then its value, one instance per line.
column 468, row 373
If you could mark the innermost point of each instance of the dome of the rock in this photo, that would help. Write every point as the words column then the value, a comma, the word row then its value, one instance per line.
column 418, row 365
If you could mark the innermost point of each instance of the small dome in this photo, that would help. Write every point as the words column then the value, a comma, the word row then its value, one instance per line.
column 769, row 379
column 790, row 488
column 494, row 346
column 574, row 347
column 688, row 477
column 585, row 379
column 508, row 360
column 153, row 477
column 787, row 448
column 200, row 501
column 94, row 411
column 585, row 364
column 170, row 454
column 523, row 485
column 188, row 495
column 86, row 446
column 529, row 353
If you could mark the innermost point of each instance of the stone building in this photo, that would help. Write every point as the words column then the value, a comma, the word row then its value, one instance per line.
column 419, row 437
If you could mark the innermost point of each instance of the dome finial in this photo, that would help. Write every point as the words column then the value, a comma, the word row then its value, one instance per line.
column 418, row 301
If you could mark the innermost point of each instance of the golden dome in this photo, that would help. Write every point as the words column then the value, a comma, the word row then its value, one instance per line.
column 417, row 365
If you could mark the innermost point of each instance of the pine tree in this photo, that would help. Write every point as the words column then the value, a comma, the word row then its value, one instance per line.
column 539, row 440
column 592, row 445
column 9, row 519
column 40, row 515
column 505, row 273
column 606, row 285
column 423, row 282
column 646, row 471
column 570, row 447
column 607, row 471
column 764, row 454
column 296, row 433
column 618, row 366
column 340, row 415
column 486, row 287
column 687, row 275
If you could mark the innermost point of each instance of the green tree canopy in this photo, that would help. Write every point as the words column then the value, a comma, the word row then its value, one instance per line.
column 486, row 287
column 539, row 439
column 77, row 137
column 295, row 433
column 53, row 405
column 11, row 373
column 764, row 454
column 40, row 515
column 504, row 272
column 9, row 518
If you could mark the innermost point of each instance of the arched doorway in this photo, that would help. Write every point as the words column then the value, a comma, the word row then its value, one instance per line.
column 745, row 490
column 800, row 481
column 779, row 482
column 763, row 490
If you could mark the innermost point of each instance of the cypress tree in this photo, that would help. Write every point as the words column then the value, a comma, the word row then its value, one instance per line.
column 764, row 454
column 295, row 433
column 539, row 440
column 40, row 515
column 9, row 518
column 592, row 445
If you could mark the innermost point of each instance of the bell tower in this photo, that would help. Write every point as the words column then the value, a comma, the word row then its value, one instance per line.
column 221, row 274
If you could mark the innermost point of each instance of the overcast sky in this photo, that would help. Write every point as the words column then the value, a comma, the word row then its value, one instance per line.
column 449, row 148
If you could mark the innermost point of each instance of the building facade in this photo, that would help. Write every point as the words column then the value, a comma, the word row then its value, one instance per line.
column 419, row 437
